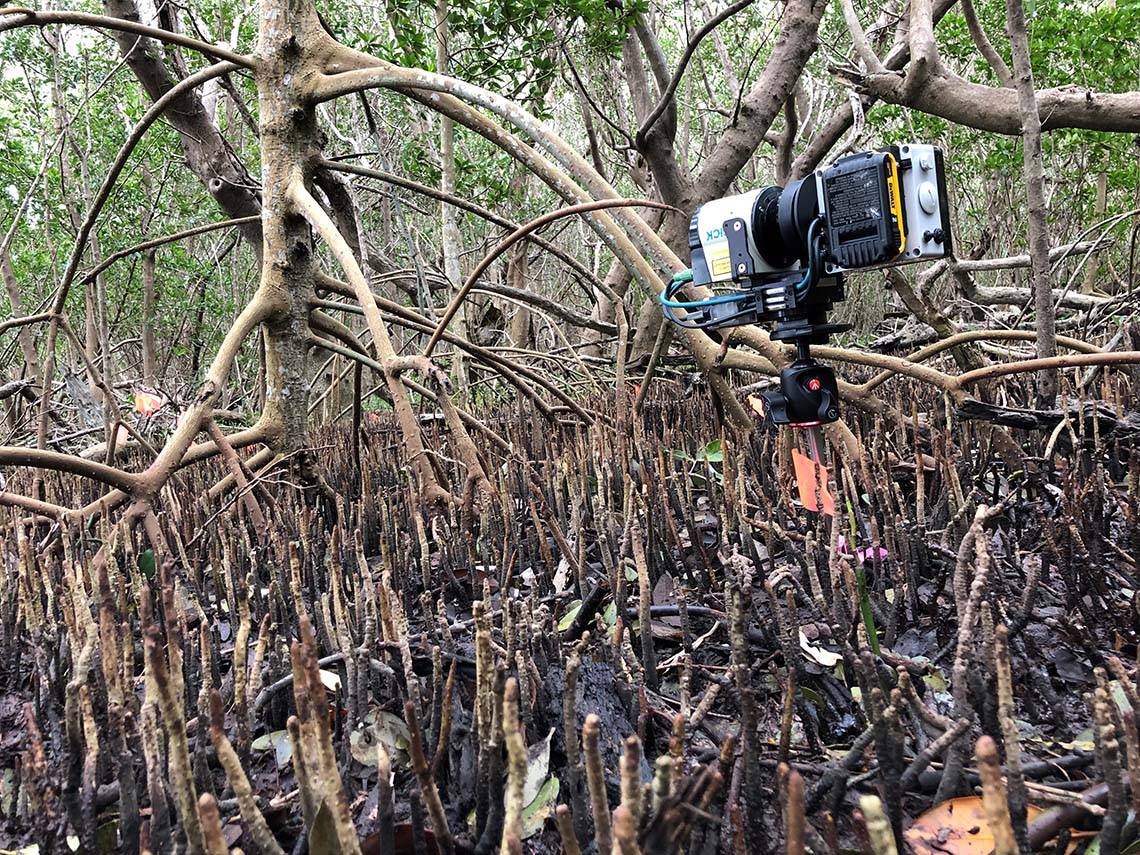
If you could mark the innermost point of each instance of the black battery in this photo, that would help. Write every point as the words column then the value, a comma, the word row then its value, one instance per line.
column 863, row 210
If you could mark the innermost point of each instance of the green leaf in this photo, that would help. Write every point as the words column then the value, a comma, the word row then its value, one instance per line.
column 712, row 452
column 1119, row 697
column 571, row 613
column 630, row 570
column 536, row 813
column 146, row 563
column 811, row 695
column 865, row 610
column 935, row 680
column 861, row 580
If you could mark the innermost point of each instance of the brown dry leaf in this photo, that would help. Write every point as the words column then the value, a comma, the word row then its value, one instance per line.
column 956, row 826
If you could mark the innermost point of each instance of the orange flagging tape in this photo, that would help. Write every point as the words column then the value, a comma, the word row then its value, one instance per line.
column 806, row 482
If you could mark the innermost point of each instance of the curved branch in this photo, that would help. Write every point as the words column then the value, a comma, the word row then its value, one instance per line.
column 90, row 275
column 78, row 248
column 981, row 40
column 353, row 71
column 995, row 108
column 21, row 17
column 149, row 118
column 46, row 510
column 177, row 449
column 366, row 360
column 547, row 306
column 460, row 202
column 517, row 235
column 24, row 320
column 859, row 38
column 1127, row 357
column 832, row 130
column 260, row 432
column 675, row 81
column 406, row 317
column 373, row 73
column 311, row 210
column 965, row 336
column 923, row 48
column 60, row 462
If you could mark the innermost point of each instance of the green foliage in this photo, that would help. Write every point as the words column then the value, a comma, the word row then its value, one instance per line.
column 510, row 47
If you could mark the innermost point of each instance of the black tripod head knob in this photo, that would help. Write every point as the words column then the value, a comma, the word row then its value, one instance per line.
column 808, row 394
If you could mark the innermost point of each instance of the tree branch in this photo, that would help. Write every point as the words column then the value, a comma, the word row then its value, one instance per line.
column 42, row 459
column 80, row 244
column 513, row 238
column 403, row 316
column 1034, row 171
column 923, row 48
column 90, row 275
column 831, row 131
column 308, row 207
column 12, row 17
column 1051, row 363
column 465, row 204
column 796, row 44
column 859, row 38
column 368, row 72
column 966, row 336
column 997, row 64
column 667, row 96
column 995, row 108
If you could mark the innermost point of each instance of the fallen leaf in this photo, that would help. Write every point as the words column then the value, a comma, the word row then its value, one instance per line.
column 561, row 575
column 148, row 404
column 955, row 827
column 331, row 679
column 278, row 740
column 568, row 618
column 818, row 655
column 386, row 727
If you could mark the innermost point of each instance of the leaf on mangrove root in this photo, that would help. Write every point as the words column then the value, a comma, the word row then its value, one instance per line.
column 146, row 563
column 535, row 814
column 571, row 613
column 537, row 767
